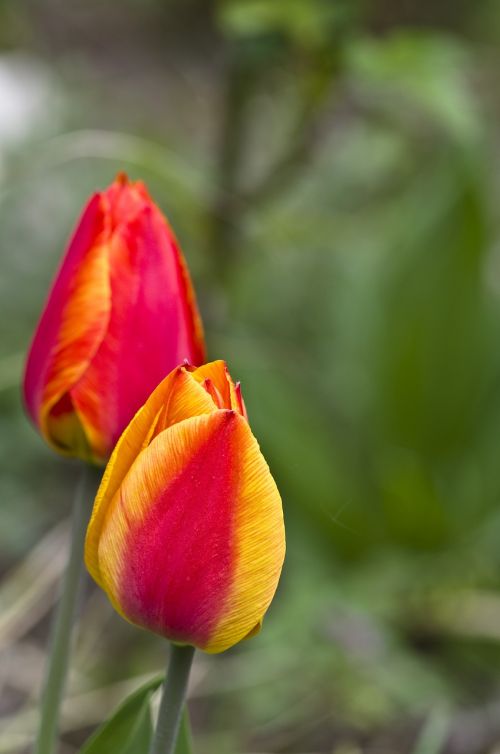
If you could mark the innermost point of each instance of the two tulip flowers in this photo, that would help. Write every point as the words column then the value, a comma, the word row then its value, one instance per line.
column 186, row 537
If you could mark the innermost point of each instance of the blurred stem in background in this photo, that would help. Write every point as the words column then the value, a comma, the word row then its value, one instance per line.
column 57, row 668
column 225, row 208
column 247, row 68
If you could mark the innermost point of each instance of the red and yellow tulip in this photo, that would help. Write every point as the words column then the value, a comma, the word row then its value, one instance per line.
column 187, row 536
column 121, row 314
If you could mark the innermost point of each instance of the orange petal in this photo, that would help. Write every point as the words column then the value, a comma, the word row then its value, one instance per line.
column 82, row 327
column 217, row 373
column 133, row 440
column 259, row 546
column 237, row 402
column 177, row 397
column 87, row 234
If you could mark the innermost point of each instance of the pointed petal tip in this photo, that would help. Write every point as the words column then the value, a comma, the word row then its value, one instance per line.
column 122, row 178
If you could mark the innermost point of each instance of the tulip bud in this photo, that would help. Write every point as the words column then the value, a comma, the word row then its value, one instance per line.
column 186, row 536
column 121, row 314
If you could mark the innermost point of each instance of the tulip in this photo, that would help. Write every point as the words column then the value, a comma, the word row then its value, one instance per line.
column 121, row 314
column 186, row 537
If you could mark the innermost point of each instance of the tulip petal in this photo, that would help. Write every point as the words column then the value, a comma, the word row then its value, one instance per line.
column 134, row 439
column 259, row 546
column 187, row 398
column 82, row 328
column 176, row 398
column 147, row 334
column 191, row 543
column 121, row 314
column 237, row 402
column 40, row 357
column 218, row 374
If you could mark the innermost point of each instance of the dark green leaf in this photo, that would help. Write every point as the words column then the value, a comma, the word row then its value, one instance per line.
column 129, row 730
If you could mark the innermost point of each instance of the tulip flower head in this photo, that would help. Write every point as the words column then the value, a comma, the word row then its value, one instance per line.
column 121, row 314
column 187, row 536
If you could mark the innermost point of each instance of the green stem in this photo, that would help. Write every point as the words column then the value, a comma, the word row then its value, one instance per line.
column 57, row 667
column 172, row 701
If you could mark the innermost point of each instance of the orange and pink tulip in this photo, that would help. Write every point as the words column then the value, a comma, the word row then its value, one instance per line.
column 187, row 536
column 121, row 314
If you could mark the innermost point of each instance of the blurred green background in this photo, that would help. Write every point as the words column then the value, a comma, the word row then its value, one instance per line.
column 331, row 169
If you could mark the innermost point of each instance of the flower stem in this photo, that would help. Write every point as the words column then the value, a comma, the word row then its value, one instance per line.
column 172, row 700
column 57, row 666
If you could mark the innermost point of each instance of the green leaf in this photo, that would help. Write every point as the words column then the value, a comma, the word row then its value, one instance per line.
column 130, row 729
column 408, row 70
column 308, row 22
column 434, row 733
column 184, row 741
